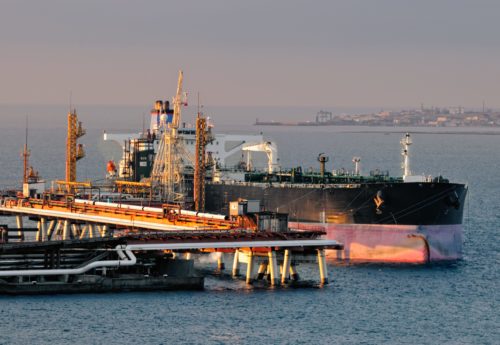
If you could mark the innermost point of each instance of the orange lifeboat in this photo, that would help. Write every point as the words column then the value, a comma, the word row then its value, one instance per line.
column 111, row 168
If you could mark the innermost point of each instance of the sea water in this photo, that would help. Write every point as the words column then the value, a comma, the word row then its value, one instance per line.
column 455, row 303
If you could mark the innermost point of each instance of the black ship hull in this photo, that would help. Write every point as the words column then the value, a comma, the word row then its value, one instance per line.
column 371, row 203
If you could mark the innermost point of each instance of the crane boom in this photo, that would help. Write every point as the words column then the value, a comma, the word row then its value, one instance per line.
column 177, row 105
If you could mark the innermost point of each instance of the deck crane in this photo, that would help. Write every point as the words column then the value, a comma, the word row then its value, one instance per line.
column 179, row 100
column 172, row 156
column 269, row 148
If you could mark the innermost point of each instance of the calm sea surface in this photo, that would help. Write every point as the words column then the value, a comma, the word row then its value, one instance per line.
column 364, row 304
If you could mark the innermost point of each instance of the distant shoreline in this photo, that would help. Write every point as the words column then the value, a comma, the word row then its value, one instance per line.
column 430, row 132
column 415, row 130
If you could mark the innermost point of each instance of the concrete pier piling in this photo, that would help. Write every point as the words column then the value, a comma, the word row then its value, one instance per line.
column 250, row 260
column 323, row 271
column 19, row 223
column 236, row 263
column 286, row 266
column 273, row 268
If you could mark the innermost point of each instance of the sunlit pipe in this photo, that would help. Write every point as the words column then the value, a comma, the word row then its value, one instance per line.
column 150, row 209
column 127, row 258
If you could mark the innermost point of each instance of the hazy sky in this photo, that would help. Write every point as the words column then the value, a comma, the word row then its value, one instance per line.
column 284, row 53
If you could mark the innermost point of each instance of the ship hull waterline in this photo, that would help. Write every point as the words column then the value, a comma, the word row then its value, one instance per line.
column 389, row 243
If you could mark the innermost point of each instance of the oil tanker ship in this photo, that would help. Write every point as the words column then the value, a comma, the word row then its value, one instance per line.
column 412, row 219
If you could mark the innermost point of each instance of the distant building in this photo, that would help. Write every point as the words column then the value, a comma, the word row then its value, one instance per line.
column 456, row 110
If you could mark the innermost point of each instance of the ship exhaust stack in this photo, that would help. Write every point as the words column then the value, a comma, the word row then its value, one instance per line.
column 405, row 143
column 322, row 159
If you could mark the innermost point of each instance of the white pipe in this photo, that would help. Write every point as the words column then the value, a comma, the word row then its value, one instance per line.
column 149, row 209
column 125, row 260
column 131, row 260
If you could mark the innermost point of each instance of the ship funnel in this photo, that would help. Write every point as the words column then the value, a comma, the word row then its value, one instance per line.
column 158, row 105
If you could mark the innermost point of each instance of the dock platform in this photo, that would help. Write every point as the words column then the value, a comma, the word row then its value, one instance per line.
column 80, row 242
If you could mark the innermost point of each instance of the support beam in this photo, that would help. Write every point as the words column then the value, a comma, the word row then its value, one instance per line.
column 38, row 233
column 93, row 231
column 236, row 263
column 74, row 231
column 41, row 235
column 273, row 265
column 104, row 230
column 323, row 271
column 286, row 266
column 50, row 230
column 66, row 230
column 84, row 231
column 249, row 267
column 20, row 233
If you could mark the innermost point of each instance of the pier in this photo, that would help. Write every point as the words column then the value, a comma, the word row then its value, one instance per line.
column 81, row 246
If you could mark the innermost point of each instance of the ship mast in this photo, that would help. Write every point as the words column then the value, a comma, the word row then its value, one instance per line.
column 405, row 152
